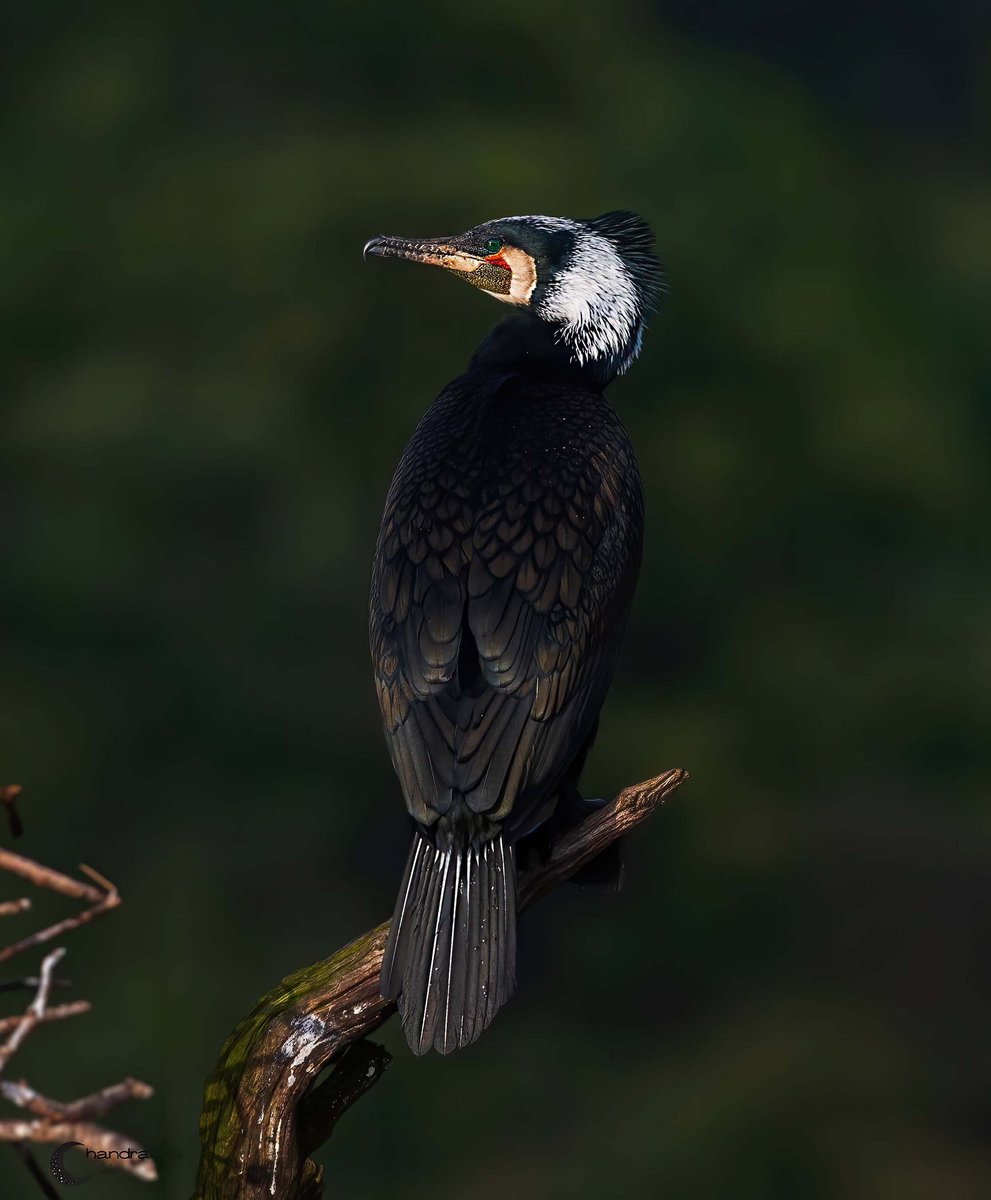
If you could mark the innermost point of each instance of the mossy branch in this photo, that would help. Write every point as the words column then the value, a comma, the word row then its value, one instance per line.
column 260, row 1115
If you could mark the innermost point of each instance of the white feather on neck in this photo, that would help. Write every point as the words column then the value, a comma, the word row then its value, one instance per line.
column 595, row 301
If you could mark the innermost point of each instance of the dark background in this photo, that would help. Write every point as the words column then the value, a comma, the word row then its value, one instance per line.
column 205, row 391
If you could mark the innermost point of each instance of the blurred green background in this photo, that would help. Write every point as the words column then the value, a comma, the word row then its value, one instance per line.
column 204, row 394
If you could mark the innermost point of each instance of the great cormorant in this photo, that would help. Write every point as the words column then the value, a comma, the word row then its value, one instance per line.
column 505, row 566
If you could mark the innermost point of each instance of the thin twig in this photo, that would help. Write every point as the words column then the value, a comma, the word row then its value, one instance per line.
column 8, row 798
column 35, row 1012
column 57, row 1012
column 100, row 1103
column 85, row 1109
column 24, row 1096
column 46, row 877
column 9, row 908
column 29, row 983
column 107, row 901
column 27, row 1158
column 93, row 1137
column 100, row 880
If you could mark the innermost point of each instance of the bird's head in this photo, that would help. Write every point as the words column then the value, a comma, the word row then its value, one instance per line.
column 593, row 281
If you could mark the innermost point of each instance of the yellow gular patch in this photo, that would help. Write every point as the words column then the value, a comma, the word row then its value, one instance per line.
column 524, row 279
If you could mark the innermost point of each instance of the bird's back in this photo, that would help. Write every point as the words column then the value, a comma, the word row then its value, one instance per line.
column 505, row 564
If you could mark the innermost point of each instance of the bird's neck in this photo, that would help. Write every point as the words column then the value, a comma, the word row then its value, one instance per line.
column 525, row 344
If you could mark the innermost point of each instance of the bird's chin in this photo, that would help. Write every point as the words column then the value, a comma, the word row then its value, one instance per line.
column 497, row 281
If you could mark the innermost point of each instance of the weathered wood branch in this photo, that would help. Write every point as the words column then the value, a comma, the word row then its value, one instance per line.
column 258, row 1123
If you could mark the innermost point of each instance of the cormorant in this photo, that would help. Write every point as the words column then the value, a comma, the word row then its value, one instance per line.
column 505, row 566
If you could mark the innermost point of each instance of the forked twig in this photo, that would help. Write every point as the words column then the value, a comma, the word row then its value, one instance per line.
column 35, row 1012
column 102, row 899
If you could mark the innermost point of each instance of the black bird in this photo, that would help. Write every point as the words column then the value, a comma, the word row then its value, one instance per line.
column 505, row 566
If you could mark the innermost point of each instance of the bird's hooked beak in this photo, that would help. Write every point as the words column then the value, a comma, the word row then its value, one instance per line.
column 456, row 254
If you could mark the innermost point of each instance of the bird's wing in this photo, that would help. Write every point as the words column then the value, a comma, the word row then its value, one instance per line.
column 417, row 605
column 554, row 564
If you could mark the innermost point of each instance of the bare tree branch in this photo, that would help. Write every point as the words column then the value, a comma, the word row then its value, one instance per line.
column 51, row 1120
column 257, row 1124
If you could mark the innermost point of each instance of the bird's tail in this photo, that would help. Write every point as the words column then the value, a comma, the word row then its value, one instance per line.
column 451, row 956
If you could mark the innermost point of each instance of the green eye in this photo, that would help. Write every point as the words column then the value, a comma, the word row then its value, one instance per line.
column 493, row 246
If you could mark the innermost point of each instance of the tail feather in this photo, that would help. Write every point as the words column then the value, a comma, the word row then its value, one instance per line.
column 450, row 961
column 403, row 921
